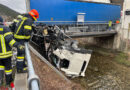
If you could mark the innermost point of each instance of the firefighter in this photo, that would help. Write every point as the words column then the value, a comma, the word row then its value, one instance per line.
column 6, row 42
column 15, row 22
column 22, row 34
column 110, row 24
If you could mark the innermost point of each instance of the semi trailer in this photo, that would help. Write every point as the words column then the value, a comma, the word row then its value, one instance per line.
column 71, row 12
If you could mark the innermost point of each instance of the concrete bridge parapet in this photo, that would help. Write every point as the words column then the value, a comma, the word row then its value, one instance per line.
column 119, row 41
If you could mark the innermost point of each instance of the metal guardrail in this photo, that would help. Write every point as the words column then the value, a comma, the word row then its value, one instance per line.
column 87, row 26
column 91, row 28
column 74, row 22
column 33, row 79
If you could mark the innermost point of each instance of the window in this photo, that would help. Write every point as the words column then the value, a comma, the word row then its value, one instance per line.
column 83, row 67
column 127, row 12
column 64, row 63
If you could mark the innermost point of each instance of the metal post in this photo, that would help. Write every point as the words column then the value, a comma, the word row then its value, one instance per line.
column 98, row 27
column 33, row 82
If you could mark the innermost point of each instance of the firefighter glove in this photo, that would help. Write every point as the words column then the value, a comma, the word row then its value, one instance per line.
column 20, row 48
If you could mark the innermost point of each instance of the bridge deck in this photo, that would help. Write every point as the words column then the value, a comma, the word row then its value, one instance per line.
column 91, row 34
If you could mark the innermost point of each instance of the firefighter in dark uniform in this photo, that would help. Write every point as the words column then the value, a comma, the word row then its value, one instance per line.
column 15, row 22
column 22, row 34
column 6, row 42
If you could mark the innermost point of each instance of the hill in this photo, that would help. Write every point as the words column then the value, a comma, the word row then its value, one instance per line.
column 7, row 13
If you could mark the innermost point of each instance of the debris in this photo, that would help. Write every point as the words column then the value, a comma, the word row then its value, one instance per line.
column 106, row 82
column 96, row 69
column 93, row 83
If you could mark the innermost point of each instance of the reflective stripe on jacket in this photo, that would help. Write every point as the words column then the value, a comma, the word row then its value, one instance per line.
column 23, row 29
column 6, row 42
column 15, row 22
column 110, row 23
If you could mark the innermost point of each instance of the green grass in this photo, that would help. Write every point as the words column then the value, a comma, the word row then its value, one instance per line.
column 122, row 58
column 119, row 57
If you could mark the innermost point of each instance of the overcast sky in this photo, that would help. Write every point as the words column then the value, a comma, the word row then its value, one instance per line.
column 17, row 5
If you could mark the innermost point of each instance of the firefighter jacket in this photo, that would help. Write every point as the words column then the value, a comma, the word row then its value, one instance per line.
column 15, row 22
column 110, row 23
column 6, row 42
column 23, row 29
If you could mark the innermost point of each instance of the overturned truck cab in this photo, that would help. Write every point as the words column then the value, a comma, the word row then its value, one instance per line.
column 73, row 61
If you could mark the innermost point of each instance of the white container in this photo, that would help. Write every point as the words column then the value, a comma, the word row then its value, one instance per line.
column 81, row 17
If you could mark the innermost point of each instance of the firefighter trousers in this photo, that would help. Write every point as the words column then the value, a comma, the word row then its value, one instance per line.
column 5, row 65
column 21, row 58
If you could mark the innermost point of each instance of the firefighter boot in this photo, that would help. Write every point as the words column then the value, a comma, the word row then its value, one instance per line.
column 9, row 79
column 20, row 67
column 24, row 70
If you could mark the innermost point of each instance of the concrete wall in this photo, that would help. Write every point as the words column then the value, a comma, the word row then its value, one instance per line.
column 105, row 42
column 124, row 30
column 125, row 18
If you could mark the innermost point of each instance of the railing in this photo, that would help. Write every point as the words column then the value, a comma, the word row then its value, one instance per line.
column 73, row 26
column 91, row 27
column 33, row 80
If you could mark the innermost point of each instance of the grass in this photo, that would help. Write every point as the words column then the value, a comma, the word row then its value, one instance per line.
column 119, row 57
column 122, row 58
